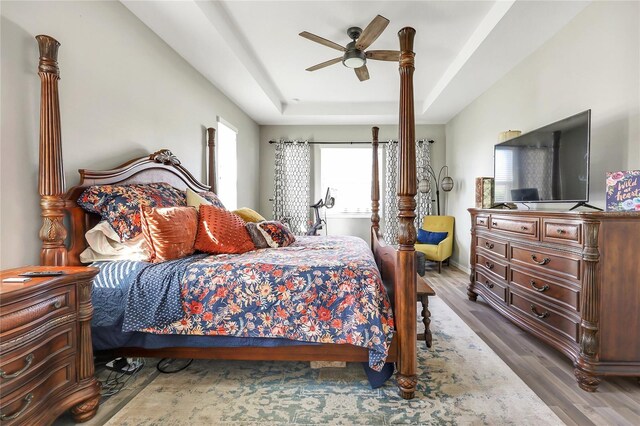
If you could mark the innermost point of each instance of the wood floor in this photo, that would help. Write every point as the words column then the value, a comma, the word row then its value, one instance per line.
column 546, row 371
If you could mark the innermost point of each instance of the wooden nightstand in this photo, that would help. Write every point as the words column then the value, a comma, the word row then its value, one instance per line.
column 46, row 357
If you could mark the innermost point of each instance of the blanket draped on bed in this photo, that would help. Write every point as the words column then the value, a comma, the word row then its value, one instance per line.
column 319, row 289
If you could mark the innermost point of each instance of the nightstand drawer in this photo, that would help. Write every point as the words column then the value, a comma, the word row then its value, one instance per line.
column 19, row 365
column 30, row 312
column 21, row 404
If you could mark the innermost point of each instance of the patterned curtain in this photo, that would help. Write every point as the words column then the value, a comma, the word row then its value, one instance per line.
column 291, row 185
column 423, row 201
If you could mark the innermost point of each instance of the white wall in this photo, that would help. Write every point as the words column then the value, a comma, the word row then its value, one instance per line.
column 592, row 63
column 123, row 93
column 358, row 227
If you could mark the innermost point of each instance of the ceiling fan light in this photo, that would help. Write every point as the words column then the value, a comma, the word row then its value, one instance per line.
column 354, row 58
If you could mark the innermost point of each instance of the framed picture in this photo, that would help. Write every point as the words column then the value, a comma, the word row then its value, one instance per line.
column 623, row 191
column 485, row 189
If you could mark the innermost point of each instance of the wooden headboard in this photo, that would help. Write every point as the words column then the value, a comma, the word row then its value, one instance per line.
column 161, row 166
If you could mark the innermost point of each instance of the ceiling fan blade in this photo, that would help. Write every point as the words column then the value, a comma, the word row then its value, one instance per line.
column 362, row 73
column 372, row 32
column 384, row 55
column 325, row 64
column 321, row 40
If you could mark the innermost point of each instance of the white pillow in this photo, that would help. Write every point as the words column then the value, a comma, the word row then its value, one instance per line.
column 104, row 244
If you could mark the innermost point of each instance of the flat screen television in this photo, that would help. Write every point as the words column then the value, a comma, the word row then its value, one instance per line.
column 547, row 165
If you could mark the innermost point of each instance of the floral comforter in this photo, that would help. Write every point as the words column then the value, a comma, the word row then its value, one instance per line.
column 319, row 289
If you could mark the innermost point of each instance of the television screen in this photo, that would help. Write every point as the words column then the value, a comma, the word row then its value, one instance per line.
column 550, row 164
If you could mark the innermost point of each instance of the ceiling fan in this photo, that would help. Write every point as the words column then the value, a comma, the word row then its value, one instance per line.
column 354, row 52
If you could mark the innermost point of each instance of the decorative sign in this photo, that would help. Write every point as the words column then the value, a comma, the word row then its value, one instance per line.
column 623, row 191
column 484, row 192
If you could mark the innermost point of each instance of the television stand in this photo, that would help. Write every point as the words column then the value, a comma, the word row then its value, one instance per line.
column 584, row 204
column 505, row 205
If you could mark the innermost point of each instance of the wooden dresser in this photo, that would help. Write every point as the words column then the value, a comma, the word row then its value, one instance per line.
column 571, row 279
column 46, row 357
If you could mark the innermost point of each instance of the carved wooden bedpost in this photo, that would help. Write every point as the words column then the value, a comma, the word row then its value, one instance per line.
column 51, row 171
column 375, row 187
column 211, row 143
column 406, row 297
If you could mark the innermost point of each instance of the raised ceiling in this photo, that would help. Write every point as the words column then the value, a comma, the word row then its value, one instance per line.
column 251, row 51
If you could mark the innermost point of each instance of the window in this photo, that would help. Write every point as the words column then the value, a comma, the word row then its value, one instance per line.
column 504, row 174
column 347, row 171
column 227, row 164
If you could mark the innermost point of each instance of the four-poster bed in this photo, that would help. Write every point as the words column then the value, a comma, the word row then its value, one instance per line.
column 396, row 267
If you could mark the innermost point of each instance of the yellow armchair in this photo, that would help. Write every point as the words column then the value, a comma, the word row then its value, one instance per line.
column 444, row 250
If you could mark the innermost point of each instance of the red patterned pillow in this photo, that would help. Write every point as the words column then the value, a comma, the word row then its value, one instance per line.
column 170, row 232
column 220, row 231
column 276, row 233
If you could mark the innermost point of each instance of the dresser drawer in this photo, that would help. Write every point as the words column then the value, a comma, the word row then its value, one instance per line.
column 19, row 365
column 565, row 294
column 30, row 312
column 547, row 260
column 19, row 405
column 561, row 231
column 495, row 268
column 482, row 221
column 523, row 226
column 557, row 320
column 495, row 287
column 496, row 247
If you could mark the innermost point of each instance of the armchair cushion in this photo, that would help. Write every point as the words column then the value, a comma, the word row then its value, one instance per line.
column 428, row 237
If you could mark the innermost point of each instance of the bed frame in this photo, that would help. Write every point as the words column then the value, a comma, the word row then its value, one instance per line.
column 397, row 266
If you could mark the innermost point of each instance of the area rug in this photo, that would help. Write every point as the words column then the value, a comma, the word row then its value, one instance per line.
column 461, row 381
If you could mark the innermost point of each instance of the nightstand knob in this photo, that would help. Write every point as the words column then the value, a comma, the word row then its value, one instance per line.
column 57, row 304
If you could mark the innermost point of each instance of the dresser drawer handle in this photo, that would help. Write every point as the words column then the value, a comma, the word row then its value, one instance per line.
column 494, row 223
column 561, row 231
column 488, row 245
column 540, row 289
column 26, row 401
column 524, row 228
column 57, row 304
column 488, row 283
column 27, row 363
column 489, row 265
column 481, row 221
column 542, row 315
column 540, row 262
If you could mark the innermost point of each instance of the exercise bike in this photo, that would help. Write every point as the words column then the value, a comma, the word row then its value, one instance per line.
column 328, row 203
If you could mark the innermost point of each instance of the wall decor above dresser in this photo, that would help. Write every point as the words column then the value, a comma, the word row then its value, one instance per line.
column 570, row 278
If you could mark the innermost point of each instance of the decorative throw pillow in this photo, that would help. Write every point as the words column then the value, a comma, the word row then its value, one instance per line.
column 249, row 215
column 194, row 199
column 276, row 233
column 256, row 235
column 428, row 237
column 104, row 244
column 170, row 232
column 221, row 231
column 120, row 204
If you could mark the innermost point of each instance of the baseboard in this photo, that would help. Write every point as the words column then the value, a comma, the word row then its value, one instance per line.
column 459, row 266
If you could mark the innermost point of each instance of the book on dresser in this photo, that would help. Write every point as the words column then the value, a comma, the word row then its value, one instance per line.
column 570, row 278
column 46, row 357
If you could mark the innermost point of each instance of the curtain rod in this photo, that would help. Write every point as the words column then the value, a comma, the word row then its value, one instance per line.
column 345, row 143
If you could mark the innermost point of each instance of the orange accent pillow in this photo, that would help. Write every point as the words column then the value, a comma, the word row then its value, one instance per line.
column 221, row 231
column 170, row 232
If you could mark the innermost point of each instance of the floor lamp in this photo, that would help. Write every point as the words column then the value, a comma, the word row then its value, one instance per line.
column 424, row 185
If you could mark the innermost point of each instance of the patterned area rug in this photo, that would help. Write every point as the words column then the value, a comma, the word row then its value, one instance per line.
column 461, row 381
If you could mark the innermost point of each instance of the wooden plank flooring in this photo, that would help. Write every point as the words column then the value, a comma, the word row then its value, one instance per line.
column 546, row 371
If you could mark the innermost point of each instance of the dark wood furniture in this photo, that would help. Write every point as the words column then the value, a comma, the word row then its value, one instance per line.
column 571, row 279
column 46, row 357
column 162, row 166
column 424, row 292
